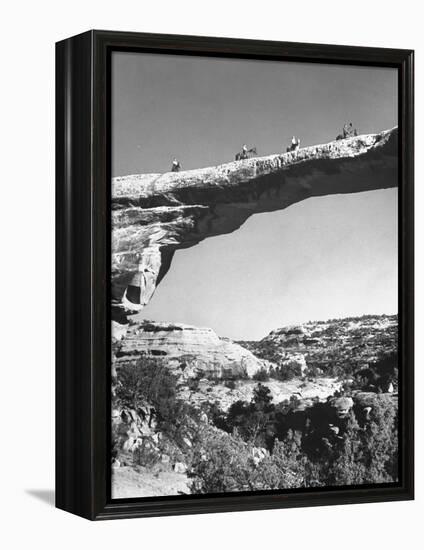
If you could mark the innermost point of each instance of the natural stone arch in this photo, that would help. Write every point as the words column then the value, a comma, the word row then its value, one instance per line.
column 155, row 214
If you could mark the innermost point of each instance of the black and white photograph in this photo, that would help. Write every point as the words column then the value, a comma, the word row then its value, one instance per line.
column 211, row 234
column 254, row 275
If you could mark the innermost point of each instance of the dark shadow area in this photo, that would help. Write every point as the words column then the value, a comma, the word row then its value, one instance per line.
column 45, row 495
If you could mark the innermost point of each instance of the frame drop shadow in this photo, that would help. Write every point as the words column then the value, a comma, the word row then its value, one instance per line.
column 45, row 495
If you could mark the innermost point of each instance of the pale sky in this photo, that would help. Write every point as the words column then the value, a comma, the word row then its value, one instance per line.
column 324, row 257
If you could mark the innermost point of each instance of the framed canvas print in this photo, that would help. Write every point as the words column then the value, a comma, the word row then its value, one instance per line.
column 234, row 275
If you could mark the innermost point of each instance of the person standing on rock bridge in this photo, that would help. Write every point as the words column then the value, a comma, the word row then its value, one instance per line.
column 347, row 132
column 294, row 145
column 245, row 153
column 176, row 166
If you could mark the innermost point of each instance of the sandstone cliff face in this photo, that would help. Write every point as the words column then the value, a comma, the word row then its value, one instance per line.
column 190, row 351
column 155, row 214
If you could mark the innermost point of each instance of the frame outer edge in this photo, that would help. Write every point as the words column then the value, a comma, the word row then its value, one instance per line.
column 74, row 365
column 81, row 271
column 406, row 291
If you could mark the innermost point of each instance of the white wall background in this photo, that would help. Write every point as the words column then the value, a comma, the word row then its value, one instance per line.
column 29, row 31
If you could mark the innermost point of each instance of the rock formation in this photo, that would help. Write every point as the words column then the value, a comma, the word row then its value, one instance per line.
column 190, row 351
column 324, row 344
column 155, row 214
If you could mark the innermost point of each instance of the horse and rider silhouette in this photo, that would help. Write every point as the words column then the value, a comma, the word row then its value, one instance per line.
column 348, row 132
column 246, row 153
column 294, row 145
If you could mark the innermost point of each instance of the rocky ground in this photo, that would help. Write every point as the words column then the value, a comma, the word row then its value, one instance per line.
column 136, row 482
column 224, row 397
column 215, row 370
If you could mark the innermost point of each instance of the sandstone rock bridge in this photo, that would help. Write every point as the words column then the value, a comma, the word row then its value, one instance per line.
column 153, row 215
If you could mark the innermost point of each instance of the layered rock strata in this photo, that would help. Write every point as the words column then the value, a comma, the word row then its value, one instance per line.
column 192, row 352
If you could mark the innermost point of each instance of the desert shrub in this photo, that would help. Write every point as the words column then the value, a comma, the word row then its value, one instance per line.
column 148, row 379
column 146, row 454
column 193, row 384
column 216, row 416
column 237, row 418
column 261, row 375
column 149, row 382
column 220, row 463
column 225, row 463
column 312, row 447
column 286, row 371
column 379, row 374
column 230, row 384
column 380, row 442
column 340, row 451
column 253, row 421
column 262, row 397
column 288, row 463
column 345, row 465
column 367, row 455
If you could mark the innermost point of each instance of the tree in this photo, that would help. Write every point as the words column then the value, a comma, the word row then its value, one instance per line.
column 379, row 374
column 262, row 397
column 285, row 468
column 346, row 466
column 148, row 382
column 286, row 371
column 368, row 454
column 254, row 421
column 220, row 463
column 381, row 442
column 224, row 463
column 261, row 375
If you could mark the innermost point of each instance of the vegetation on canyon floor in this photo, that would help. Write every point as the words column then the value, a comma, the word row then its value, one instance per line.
column 259, row 444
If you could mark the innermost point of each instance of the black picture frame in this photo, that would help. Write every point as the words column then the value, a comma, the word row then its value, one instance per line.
column 82, row 272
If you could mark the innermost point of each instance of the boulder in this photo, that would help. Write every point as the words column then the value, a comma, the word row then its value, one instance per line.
column 180, row 468
column 342, row 405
